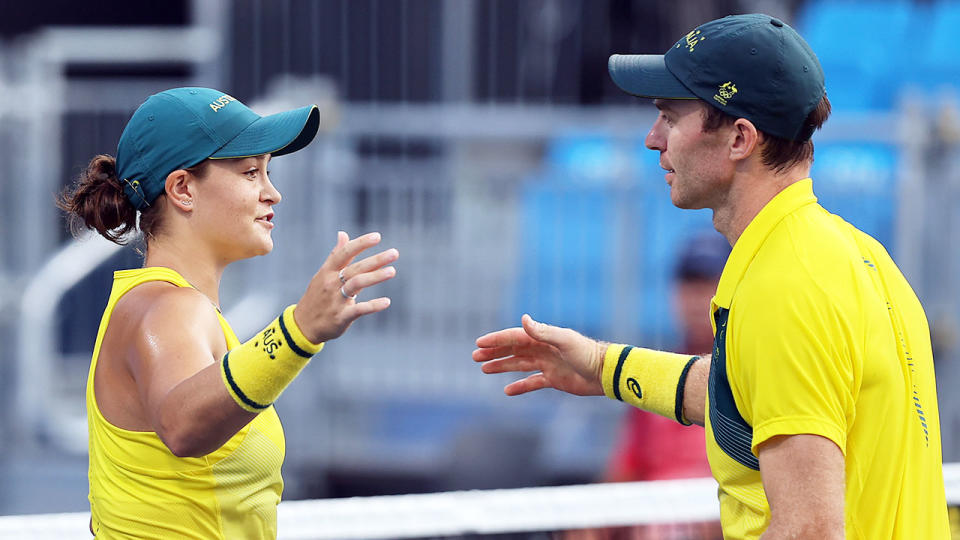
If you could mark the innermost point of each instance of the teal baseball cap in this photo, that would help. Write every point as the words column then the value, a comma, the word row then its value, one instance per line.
column 749, row 66
column 180, row 127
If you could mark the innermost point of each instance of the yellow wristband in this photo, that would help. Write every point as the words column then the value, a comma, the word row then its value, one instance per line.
column 648, row 379
column 257, row 372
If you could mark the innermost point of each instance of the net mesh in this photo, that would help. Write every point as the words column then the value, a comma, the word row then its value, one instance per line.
column 665, row 510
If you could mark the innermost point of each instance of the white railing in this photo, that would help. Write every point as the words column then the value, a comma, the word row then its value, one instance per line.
column 467, row 512
column 37, row 405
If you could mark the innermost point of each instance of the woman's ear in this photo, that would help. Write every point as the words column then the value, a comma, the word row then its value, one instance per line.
column 746, row 139
column 179, row 189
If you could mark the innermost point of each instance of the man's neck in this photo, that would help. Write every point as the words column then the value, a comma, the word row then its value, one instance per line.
column 749, row 192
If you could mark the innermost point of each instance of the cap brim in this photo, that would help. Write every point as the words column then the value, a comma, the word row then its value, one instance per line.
column 646, row 75
column 276, row 134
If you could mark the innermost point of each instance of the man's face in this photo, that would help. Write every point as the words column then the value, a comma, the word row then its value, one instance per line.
column 697, row 163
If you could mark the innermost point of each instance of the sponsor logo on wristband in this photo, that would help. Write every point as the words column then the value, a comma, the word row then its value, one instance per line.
column 270, row 342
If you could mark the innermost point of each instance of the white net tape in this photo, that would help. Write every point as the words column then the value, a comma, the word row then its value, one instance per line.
column 468, row 512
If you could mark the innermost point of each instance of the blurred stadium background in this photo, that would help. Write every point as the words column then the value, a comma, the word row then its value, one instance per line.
column 485, row 140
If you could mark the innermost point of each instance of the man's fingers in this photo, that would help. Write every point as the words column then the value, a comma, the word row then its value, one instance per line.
column 534, row 329
column 510, row 364
column 534, row 382
column 500, row 338
column 486, row 354
column 554, row 335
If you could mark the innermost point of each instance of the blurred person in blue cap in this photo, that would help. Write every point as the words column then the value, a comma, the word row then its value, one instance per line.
column 651, row 447
column 818, row 398
column 184, row 439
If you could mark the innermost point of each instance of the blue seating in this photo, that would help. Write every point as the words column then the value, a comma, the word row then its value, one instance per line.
column 935, row 61
column 575, row 225
column 660, row 230
column 579, row 227
column 566, row 242
column 577, row 157
column 858, row 182
column 860, row 44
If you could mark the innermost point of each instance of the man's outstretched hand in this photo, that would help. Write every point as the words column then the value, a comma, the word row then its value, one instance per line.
column 559, row 357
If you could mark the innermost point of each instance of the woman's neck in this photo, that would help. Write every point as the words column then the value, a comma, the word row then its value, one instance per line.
column 201, row 272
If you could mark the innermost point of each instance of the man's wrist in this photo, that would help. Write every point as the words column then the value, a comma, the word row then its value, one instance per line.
column 648, row 379
column 599, row 355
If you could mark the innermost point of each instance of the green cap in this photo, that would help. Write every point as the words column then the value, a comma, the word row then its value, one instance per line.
column 749, row 66
column 180, row 127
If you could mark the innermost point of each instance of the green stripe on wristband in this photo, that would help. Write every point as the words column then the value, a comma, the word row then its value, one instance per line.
column 257, row 372
column 619, row 370
column 237, row 392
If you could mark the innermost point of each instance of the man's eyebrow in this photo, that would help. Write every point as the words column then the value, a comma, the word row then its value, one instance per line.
column 662, row 105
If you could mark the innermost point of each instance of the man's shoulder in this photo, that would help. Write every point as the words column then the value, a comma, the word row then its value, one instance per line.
column 811, row 239
column 810, row 252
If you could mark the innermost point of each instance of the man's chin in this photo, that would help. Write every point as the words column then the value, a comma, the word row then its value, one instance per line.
column 682, row 203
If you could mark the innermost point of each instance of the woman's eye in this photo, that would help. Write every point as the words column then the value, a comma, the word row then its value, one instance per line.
column 252, row 173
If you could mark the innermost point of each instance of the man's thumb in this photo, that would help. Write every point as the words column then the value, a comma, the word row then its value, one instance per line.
column 538, row 330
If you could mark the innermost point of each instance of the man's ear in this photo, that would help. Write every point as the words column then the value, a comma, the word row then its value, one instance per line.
column 746, row 139
column 179, row 189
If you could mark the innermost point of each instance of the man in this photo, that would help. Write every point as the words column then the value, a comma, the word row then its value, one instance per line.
column 819, row 398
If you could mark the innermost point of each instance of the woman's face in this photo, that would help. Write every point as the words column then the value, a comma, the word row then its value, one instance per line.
column 232, row 207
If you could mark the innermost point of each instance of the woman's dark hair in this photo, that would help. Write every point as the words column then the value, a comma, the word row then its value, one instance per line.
column 777, row 153
column 96, row 201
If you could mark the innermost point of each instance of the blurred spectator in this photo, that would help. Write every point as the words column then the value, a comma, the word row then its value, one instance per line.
column 652, row 447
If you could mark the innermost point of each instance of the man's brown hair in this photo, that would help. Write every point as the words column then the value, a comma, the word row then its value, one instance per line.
column 777, row 153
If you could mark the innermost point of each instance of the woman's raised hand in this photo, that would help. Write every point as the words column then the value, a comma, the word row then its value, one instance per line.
column 330, row 304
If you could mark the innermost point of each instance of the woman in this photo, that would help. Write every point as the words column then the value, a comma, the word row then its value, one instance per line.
column 184, row 439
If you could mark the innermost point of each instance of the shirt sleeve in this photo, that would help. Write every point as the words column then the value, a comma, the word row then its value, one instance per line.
column 790, row 365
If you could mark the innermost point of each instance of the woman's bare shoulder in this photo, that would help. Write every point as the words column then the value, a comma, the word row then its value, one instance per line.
column 159, row 309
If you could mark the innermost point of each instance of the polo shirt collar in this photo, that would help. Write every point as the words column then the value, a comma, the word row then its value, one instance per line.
column 794, row 196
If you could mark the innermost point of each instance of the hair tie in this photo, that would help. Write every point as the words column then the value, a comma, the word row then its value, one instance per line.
column 135, row 186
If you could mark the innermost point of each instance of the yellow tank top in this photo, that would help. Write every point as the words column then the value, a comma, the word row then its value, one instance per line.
column 139, row 489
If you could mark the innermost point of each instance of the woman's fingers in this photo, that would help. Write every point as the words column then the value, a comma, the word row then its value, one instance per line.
column 371, row 263
column 354, row 285
column 367, row 307
column 344, row 253
column 342, row 239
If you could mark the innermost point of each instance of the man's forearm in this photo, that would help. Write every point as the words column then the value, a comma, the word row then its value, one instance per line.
column 695, row 391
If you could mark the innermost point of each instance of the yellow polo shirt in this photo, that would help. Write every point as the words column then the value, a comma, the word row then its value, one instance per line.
column 817, row 332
